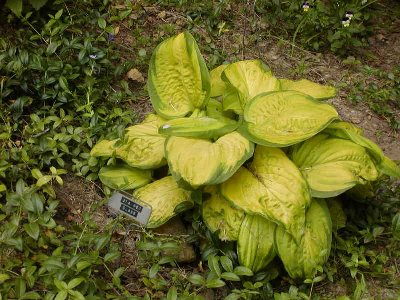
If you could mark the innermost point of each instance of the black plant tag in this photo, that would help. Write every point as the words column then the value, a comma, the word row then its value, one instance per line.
column 131, row 207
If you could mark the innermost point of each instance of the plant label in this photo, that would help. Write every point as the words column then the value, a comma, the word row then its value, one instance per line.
column 133, row 208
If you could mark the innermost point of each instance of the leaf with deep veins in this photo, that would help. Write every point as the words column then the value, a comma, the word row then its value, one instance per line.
column 203, row 162
column 280, row 119
column 178, row 79
column 331, row 166
column 272, row 187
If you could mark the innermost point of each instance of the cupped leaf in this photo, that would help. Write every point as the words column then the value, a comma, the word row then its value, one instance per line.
column 164, row 196
column 143, row 146
column 231, row 101
column 302, row 259
column 350, row 132
column 124, row 177
column 203, row 162
column 315, row 90
column 255, row 245
column 331, row 165
column 250, row 78
column 202, row 127
column 218, row 86
column 105, row 148
column 178, row 79
column 279, row 119
column 215, row 110
column 272, row 187
column 219, row 215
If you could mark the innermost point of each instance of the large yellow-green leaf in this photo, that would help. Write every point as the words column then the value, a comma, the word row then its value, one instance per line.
column 255, row 245
column 315, row 90
column 218, row 86
column 331, row 165
column 201, row 127
column 124, row 177
column 215, row 110
column 143, row 146
column 219, row 214
column 165, row 197
column 178, row 79
column 279, row 119
column 350, row 132
column 231, row 101
column 301, row 259
column 203, row 162
column 272, row 187
column 250, row 78
column 104, row 148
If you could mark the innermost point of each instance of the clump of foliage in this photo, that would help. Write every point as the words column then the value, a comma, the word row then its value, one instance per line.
column 339, row 25
column 267, row 155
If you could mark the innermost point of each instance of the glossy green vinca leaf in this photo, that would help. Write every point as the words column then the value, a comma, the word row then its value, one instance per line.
column 272, row 187
column 124, row 177
column 280, row 119
column 255, row 245
column 164, row 196
column 315, row 90
column 178, row 78
column 219, row 215
column 331, row 165
column 203, row 162
column 302, row 258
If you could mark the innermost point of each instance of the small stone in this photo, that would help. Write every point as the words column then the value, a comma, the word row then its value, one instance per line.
column 162, row 15
column 135, row 75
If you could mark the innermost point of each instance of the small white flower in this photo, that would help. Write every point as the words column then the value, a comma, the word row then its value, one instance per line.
column 349, row 15
column 93, row 56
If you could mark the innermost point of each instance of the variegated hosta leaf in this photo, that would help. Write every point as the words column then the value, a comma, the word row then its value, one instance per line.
column 272, row 187
column 279, row 119
column 331, row 165
column 165, row 197
column 143, row 146
column 203, row 162
column 201, row 127
column 215, row 110
column 219, row 214
column 231, row 101
column 255, row 245
column 250, row 78
column 350, row 132
column 178, row 79
column 218, row 86
column 104, row 148
column 124, row 177
column 315, row 90
column 302, row 258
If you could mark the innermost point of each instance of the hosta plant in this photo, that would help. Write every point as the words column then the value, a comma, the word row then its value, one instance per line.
column 266, row 154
